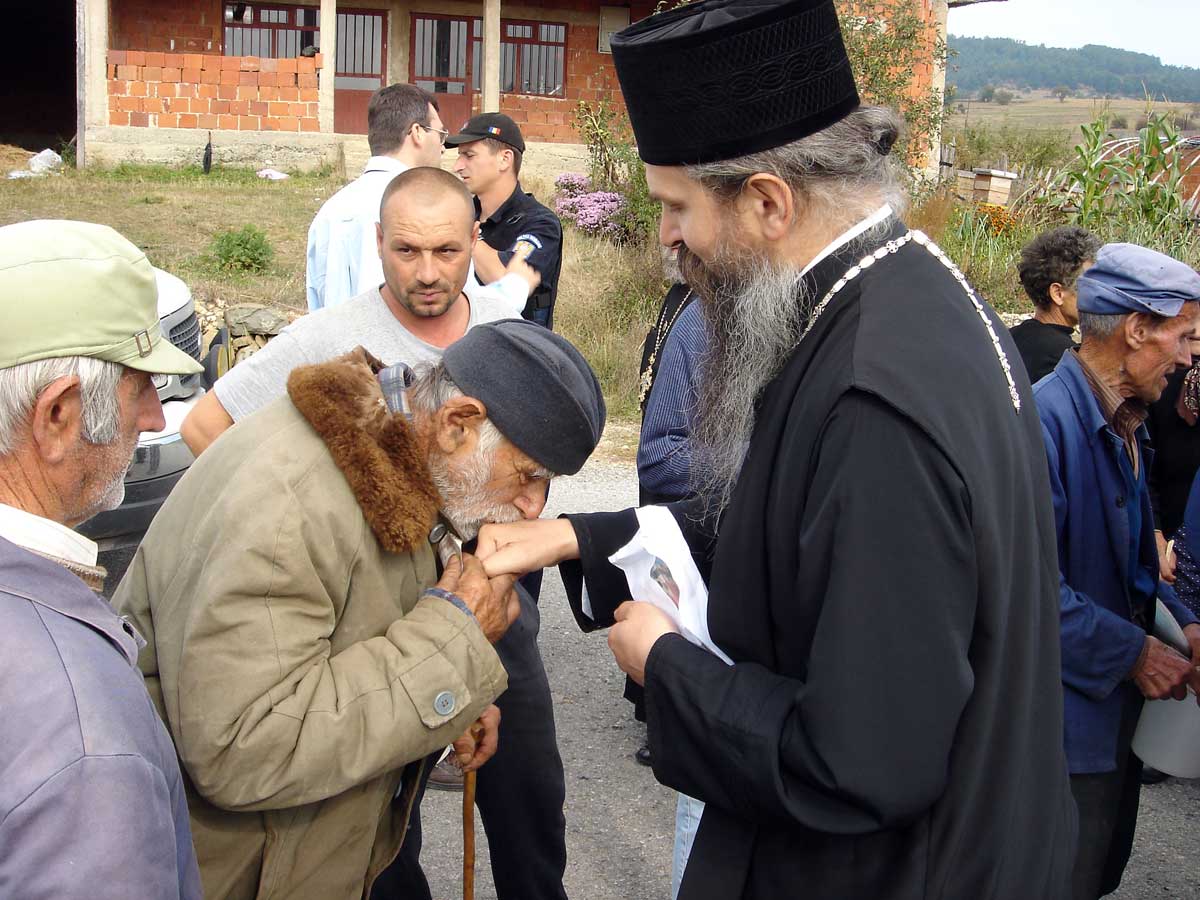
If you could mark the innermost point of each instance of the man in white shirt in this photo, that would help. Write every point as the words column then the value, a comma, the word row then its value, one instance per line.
column 93, row 804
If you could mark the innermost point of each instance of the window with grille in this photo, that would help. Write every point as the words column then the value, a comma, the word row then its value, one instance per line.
column 532, row 57
column 270, row 31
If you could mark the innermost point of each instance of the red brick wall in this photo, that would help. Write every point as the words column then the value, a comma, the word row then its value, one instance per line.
column 194, row 25
column 176, row 90
column 589, row 73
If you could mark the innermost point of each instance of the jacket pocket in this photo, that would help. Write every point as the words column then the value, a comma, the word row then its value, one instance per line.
column 437, row 691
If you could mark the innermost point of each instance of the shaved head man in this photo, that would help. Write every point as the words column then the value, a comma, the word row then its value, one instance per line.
column 426, row 232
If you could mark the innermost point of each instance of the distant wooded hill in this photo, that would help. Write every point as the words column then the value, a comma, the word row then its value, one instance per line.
column 1091, row 70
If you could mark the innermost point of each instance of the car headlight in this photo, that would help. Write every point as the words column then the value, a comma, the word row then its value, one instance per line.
column 160, row 381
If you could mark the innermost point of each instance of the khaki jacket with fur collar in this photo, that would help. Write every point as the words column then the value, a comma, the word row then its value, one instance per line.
column 288, row 651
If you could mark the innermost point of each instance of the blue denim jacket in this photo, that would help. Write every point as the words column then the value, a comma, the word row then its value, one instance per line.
column 91, row 800
column 1100, row 640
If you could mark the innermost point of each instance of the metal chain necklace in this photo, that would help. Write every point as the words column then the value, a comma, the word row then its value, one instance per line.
column 937, row 253
column 646, row 381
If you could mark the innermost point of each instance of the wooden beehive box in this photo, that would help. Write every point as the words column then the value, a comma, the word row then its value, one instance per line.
column 964, row 185
column 993, row 186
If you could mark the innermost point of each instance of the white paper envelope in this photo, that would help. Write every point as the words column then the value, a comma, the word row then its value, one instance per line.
column 658, row 567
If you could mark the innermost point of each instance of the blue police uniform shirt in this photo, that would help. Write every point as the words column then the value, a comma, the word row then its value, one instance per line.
column 521, row 221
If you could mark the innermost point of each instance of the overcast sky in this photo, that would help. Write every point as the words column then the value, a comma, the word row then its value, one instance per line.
column 1168, row 29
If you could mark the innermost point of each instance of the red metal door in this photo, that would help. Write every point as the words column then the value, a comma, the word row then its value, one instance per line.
column 361, row 67
column 442, row 61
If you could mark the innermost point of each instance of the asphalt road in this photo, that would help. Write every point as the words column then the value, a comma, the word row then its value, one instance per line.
column 620, row 821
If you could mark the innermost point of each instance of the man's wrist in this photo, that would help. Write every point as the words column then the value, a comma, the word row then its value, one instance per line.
column 1137, row 666
column 450, row 597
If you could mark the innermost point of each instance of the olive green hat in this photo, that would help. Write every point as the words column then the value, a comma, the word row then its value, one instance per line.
column 78, row 289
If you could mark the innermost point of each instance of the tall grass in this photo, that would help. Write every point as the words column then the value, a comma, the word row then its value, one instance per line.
column 989, row 146
column 987, row 256
column 607, row 298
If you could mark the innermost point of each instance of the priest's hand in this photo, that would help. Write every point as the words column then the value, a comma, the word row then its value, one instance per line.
column 1162, row 671
column 520, row 547
column 479, row 743
column 639, row 625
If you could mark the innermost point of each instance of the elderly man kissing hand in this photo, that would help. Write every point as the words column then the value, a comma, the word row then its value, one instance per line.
column 296, row 649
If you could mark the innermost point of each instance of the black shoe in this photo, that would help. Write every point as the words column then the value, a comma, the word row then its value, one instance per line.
column 1153, row 776
column 642, row 754
column 446, row 776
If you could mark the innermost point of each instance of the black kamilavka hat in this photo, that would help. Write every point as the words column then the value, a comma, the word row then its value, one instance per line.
column 724, row 78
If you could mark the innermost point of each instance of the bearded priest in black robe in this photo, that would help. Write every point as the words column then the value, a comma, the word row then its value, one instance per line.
column 875, row 527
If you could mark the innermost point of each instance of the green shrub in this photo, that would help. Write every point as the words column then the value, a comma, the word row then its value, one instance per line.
column 988, row 256
column 982, row 146
column 242, row 250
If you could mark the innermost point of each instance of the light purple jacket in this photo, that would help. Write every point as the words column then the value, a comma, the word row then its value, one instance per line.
column 91, row 801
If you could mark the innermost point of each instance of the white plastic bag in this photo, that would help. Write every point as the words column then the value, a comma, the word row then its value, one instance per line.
column 46, row 161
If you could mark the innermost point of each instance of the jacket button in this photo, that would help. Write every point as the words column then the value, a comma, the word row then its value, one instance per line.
column 443, row 703
column 1120, row 502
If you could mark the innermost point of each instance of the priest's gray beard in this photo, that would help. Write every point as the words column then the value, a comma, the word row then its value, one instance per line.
column 755, row 311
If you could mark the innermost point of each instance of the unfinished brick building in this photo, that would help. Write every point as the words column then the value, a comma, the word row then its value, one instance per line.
column 290, row 80
column 308, row 68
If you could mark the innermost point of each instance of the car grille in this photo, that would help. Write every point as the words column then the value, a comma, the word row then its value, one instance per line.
column 186, row 336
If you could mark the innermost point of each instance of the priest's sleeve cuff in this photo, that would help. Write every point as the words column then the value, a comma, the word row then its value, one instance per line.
column 592, row 578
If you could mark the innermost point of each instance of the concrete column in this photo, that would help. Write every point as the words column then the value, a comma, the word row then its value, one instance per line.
column 91, row 71
column 325, row 83
column 941, row 15
column 490, row 77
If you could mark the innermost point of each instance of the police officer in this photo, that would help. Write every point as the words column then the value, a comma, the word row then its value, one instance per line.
column 490, row 148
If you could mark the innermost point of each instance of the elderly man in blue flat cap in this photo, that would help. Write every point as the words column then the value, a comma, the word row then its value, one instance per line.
column 1137, row 308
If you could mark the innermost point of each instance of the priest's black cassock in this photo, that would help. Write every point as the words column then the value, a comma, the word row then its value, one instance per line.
column 885, row 581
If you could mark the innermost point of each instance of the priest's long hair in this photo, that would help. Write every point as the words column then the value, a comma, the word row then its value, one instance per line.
column 756, row 309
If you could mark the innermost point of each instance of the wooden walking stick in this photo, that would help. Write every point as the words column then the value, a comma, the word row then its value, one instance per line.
column 477, row 731
column 468, row 836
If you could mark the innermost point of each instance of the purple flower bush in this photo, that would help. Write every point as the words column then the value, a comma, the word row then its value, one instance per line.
column 597, row 213
column 572, row 184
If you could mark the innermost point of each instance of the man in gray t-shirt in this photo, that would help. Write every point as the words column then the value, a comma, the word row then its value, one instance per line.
column 425, row 235
column 364, row 321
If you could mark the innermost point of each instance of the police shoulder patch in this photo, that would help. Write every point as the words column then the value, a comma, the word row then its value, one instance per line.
column 530, row 240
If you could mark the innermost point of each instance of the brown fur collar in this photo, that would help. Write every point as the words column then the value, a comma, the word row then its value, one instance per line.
column 375, row 449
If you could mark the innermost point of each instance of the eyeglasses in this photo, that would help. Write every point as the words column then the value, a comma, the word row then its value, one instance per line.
column 440, row 132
